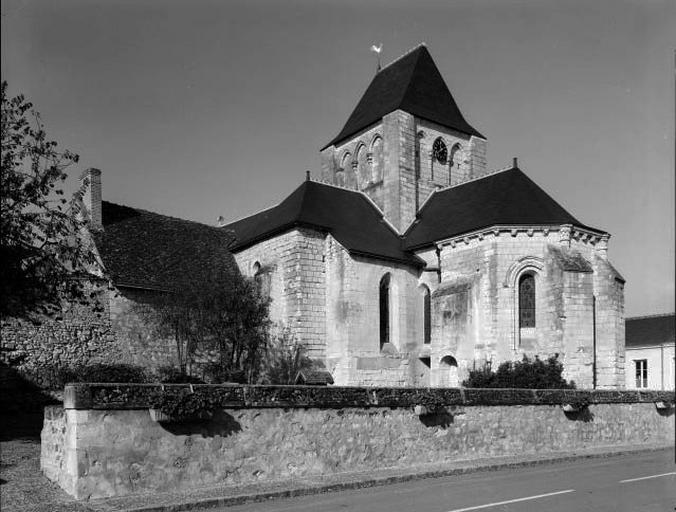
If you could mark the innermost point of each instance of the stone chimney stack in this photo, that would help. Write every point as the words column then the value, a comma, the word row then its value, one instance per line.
column 92, row 198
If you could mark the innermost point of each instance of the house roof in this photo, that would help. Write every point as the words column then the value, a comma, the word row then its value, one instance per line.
column 351, row 218
column 508, row 197
column 152, row 251
column 411, row 83
column 650, row 330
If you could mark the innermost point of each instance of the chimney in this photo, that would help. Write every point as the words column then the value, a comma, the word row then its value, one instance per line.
column 91, row 179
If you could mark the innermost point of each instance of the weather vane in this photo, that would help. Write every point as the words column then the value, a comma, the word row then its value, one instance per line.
column 377, row 50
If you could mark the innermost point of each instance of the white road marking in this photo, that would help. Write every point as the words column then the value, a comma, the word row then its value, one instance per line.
column 511, row 501
column 647, row 477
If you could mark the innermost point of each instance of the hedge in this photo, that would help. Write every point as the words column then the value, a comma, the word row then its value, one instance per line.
column 143, row 396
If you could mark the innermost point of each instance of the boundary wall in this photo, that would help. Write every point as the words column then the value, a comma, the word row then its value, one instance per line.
column 104, row 441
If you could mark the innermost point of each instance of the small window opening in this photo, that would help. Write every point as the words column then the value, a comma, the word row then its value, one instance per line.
column 384, row 310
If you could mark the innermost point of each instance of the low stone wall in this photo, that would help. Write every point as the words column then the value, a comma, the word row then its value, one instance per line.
column 105, row 443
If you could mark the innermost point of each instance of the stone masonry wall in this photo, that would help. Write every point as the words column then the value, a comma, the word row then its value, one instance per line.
column 102, row 453
column 482, row 274
column 353, row 321
column 81, row 336
column 140, row 342
column 298, row 283
column 77, row 335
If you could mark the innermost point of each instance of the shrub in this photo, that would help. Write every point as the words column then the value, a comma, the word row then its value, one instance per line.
column 529, row 374
column 173, row 375
column 125, row 373
column 216, row 373
column 284, row 358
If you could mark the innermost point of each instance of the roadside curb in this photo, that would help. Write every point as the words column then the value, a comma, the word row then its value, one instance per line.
column 254, row 497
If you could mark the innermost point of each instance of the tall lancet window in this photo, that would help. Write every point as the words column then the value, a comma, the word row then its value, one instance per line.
column 427, row 315
column 384, row 310
column 527, row 301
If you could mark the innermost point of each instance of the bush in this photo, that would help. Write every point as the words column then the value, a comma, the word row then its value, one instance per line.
column 173, row 375
column 284, row 358
column 528, row 374
column 215, row 373
column 124, row 373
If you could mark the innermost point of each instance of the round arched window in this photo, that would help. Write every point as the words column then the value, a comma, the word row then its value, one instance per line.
column 440, row 151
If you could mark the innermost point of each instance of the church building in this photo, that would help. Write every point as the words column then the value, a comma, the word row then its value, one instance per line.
column 409, row 262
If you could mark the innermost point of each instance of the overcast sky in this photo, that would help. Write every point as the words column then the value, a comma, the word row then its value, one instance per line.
column 204, row 108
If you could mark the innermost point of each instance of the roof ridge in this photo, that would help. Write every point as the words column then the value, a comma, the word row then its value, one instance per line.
column 407, row 52
column 472, row 180
column 160, row 214
column 657, row 315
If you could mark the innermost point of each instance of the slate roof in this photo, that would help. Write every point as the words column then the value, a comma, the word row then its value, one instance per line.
column 348, row 215
column 147, row 250
column 505, row 198
column 650, row 330
column 412, row 84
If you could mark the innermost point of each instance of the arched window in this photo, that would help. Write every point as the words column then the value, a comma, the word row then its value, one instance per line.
column 439, row 158
column 439, row 151
column 427, row 315
column 377, row 159
column 527, row 301
column 263, row 279
column 384, row 294
column 455, row 175
column 363, row 174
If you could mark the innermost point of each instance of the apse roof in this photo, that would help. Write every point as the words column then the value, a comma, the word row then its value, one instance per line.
column 411, row 83
column 507, row 197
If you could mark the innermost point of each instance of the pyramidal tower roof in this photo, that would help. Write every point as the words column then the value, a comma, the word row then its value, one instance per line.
column 413, row 84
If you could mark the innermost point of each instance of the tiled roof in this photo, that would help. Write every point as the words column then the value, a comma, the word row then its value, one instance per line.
column 148, row 250
column 412, row 84
column 348, row 215
column 650, row 330
column 505, row 198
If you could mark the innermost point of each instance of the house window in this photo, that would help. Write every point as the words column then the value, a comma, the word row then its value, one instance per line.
column 641, row 366
column 527, row 301
column 384, row 310
column 427, row 315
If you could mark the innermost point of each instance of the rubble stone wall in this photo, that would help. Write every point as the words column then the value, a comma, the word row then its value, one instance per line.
column 94, row 453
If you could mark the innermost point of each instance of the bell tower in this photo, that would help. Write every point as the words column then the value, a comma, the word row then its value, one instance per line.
column 405, row 138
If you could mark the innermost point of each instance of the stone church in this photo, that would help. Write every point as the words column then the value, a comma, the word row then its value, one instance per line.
column 409, row 262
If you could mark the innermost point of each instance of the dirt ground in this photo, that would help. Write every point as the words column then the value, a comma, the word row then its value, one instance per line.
column 22, row 486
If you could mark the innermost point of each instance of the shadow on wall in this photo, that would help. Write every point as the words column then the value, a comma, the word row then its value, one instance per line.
column 440, row 418
column 666, row 412
column 584, row 415
column 21, row 406
column 220, row 424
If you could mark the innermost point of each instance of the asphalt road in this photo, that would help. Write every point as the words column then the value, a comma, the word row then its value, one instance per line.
column 630, row 483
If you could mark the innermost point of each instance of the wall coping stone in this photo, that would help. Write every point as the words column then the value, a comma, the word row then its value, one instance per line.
column 118, row 396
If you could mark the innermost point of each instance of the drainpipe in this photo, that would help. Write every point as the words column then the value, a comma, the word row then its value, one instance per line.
column 438, row 251
column 594, row 341
column 662, row 367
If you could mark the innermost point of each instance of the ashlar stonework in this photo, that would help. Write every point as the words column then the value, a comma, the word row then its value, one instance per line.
column 451, row 299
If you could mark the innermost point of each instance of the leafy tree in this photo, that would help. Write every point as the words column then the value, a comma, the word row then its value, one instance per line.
column 215, row 307
column 528, row 374
column 41, row 246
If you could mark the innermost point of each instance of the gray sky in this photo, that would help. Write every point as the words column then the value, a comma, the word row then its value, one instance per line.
column 204, row 108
